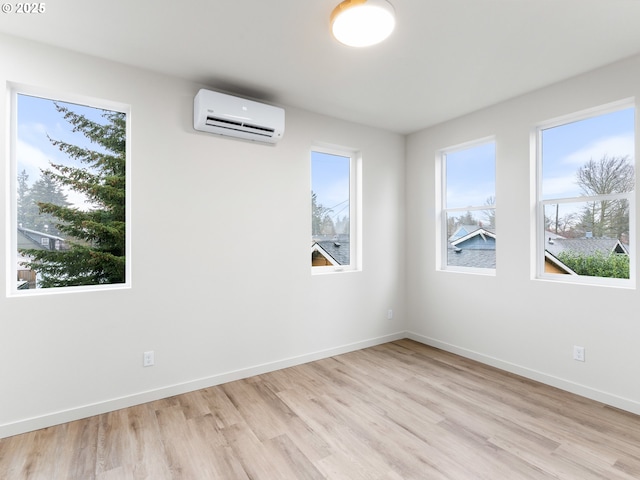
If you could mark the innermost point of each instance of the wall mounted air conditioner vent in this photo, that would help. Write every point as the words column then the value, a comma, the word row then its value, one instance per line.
column 223, row 114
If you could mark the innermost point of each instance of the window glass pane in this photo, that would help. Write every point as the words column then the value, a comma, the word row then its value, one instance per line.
column 594, row 219
column 587, row 238
column 70, row 194
column 471, row 240
column 470, row 176
column 589, row 157
column 469, row 207
column 330, row 204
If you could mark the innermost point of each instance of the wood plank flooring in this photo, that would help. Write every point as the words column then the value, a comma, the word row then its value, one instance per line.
column 401, row 410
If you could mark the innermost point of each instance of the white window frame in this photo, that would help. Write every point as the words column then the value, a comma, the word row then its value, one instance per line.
column 539, row 206
column 442, row 242
column 355, row 207
column 11, row 254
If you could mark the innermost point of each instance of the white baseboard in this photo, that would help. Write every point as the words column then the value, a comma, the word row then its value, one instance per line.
column 84, row 411
column 563, row 384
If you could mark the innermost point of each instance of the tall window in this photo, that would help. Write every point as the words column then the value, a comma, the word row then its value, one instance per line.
column 469, row 213
column 586, row 186
column 333, row 210
column 69, row 195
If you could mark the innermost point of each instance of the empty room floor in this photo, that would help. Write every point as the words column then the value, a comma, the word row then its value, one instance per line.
column 400, row 410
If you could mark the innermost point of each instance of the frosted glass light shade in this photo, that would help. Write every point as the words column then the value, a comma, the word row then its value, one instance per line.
column 361, row 23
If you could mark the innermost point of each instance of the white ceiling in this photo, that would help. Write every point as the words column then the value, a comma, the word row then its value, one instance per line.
column 445, row 58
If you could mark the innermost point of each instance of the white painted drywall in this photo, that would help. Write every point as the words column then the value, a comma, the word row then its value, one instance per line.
column 227, row 292
column 512, row 320
column 222, row 285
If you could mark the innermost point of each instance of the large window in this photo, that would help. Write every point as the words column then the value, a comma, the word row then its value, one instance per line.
column 469, row 207
column 69, row 195
column 333, row 210
column 586, row 187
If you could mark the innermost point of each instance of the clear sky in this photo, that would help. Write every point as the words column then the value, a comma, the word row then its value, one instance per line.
column 37, row 120
column 330, row 182
column 471, row 174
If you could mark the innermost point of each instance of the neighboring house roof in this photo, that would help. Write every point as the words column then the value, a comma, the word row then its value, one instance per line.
column 315, row 247
column 464, row 230
column 561, row 267
column 32, row 239
column 480, row 238
column 25, row 241
column 585, row 246
column 28, row 238
column 551, row 236
column 476, row 258
column 474, row 246
column 337, row 252
column 335, row 248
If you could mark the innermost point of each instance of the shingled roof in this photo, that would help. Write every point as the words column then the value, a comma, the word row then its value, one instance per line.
column 585, row 246
column 473, row 257
column 335, row 248
column 458, row 257
column 467, row 230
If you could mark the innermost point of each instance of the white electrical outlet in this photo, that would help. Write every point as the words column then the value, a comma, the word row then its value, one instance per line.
column 389, row 314
column 148, row 359
column 578, row 353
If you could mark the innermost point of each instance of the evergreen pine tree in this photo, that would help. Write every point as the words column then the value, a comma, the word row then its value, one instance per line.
column 44, row 190
column 95, row 250
column 23, row 192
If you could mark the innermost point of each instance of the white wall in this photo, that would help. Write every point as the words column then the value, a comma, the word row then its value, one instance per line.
column 221, row 277
column 511, row 320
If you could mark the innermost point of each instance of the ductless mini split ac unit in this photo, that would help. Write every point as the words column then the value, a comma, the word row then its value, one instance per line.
column 223, row 114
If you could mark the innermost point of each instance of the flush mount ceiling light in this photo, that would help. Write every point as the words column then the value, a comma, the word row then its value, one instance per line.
column 361, row 23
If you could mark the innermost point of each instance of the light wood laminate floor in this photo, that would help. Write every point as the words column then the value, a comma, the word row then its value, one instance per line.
column 401, row 410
